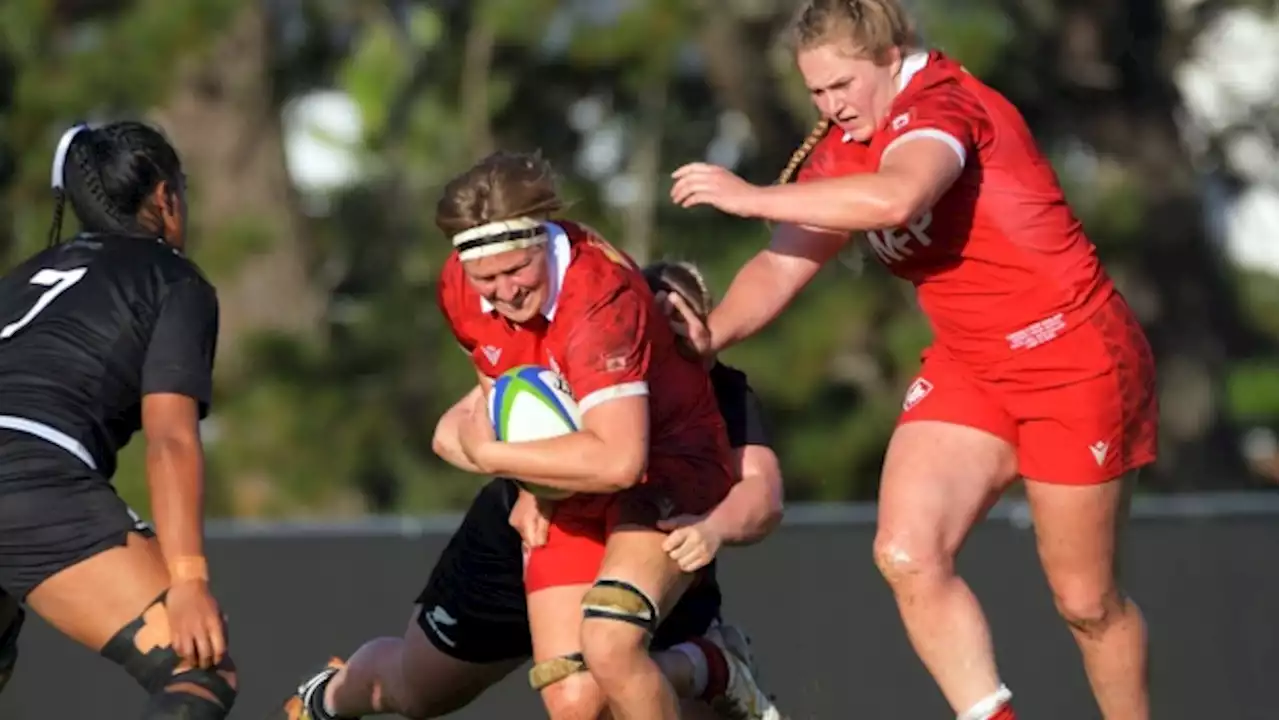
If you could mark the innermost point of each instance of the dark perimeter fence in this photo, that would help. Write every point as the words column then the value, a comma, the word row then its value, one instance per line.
column 1203, row 568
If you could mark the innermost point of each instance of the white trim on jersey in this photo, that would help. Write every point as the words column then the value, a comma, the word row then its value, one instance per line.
column 639, row 388
column 51, row 435
column 933, row 133
column 911, row 64
column 558, row 258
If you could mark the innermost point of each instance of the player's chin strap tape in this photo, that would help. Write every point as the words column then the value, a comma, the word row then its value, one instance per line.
column 154, row 668
column 620, row 600
column 550, row 672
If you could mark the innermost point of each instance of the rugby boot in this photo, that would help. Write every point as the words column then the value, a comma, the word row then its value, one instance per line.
column 9, row 646
column 308, row 702
column 742, row 699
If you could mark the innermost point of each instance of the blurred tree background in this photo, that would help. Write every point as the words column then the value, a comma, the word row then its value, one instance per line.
column 317, row 135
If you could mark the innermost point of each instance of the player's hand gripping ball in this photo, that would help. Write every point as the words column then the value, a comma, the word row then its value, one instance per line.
column 533, row 403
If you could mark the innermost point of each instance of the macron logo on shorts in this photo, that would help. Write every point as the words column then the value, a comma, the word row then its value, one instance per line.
column 492, row 354
column 917, row 392
column 1099, row 450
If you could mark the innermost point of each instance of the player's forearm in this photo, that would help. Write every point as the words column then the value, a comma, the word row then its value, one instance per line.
column 578, row 462
column 760, row 291
column 448, row 447
column 863, row 201
column 175, row 476
column 445, row 442
column 751, row 510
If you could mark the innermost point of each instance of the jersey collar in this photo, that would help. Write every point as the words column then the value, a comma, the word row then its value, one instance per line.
column 911, row 65
column 558, row 252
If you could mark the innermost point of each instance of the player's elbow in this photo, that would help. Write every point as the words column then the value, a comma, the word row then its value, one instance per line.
column 769, row 503
column 442, row 442
column 763, row 475
column 624, row 471
column 621, row 452
column 900, row 206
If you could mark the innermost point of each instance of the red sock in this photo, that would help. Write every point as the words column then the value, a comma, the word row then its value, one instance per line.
column 717, row 668
column 1004, row 713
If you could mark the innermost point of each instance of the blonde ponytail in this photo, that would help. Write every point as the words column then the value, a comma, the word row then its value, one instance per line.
column 802, row 153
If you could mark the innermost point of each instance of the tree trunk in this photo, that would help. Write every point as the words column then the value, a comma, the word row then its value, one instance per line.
column 224, row 120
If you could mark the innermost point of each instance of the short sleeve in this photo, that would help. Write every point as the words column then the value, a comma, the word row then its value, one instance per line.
column 607, row 351
column 183, row 343
column 740, row 406
column 446, row 293
column 945, row 112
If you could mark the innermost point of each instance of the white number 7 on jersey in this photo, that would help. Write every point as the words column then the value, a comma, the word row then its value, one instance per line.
column 58, row 281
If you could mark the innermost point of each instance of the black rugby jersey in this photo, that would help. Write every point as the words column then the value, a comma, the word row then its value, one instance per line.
column 740, row 407
column 88, row 327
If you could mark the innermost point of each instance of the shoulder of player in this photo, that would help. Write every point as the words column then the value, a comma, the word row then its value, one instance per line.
column 728, row 378
column 156, row 263
column 596, row 270
column 452, row 285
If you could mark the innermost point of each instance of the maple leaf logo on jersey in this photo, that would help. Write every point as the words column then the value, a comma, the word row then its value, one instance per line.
column 902, row 120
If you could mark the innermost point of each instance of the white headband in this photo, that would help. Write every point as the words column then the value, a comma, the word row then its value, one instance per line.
column 60, row 155
column 491, row 238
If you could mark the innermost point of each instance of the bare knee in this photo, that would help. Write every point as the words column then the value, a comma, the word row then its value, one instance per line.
column 909, row 565
column 612, row 649
column 576, row 697
column 1089, row 609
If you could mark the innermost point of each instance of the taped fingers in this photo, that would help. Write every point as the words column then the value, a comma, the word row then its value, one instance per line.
column 620, row 600
column 550, row 672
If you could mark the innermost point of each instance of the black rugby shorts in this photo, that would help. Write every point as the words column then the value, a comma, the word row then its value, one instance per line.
column 473, row 605
column 54, row 512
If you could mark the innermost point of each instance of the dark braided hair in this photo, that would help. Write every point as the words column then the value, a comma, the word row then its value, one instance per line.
column 109, row 173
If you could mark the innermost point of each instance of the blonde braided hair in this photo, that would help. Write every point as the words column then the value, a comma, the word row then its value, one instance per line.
column 801, row 154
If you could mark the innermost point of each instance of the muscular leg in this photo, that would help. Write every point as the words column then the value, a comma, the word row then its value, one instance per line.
column 409, row 676
column 115, row 591
column 616, row 649
column 555, row 623
column 937, row 482
column 1077, row 530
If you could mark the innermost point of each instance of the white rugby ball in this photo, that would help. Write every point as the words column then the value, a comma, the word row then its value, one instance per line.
column 533, row 403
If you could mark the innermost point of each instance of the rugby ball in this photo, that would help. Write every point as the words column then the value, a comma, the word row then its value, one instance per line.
column 533, row 403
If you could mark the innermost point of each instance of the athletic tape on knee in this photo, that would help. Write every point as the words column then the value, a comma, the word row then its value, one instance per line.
column 209, row 680
column 183, row 706
column 620, row 600
column 142, row 648
column 550, row 672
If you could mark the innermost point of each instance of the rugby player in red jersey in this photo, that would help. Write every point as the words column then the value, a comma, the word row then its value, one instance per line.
column 470, row 624
column 1038, row 368
column 520, row 289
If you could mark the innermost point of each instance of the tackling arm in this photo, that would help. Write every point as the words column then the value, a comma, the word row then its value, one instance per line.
column 769, row 281
column 753, row 507
column 913, row 174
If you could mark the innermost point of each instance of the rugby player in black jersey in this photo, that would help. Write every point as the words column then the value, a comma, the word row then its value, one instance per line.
column 101, row 335
column 470, row 627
